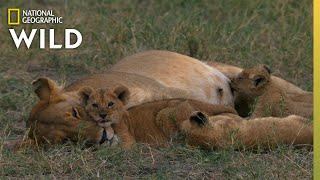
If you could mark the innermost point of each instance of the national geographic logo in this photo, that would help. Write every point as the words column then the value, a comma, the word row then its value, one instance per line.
column 32, row 16
column 13, row 16
column 17, row 16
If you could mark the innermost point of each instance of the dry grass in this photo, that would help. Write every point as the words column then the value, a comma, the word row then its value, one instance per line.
column 243, row 33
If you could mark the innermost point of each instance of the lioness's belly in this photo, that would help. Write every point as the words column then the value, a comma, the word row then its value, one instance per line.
column 174, row 70
column 156, row 75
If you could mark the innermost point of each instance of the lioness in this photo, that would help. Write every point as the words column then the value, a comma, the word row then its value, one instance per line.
column 268, row 99
column 163, row 119
column 59, row 115
column 53, row 118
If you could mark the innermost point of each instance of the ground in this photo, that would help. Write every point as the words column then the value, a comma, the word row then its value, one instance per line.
column 242, row 33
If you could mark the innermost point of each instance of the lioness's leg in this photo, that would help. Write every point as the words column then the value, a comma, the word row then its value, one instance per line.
column 225, row 131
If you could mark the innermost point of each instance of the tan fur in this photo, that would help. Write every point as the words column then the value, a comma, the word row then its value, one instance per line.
column 104, row 106
column 174, row 70
column 243, row 103
column 231, row 131
column 267, row 98
column 233, row 71
column 146, row 77
column 159, row 122
column 72, row 127
column 58, row 115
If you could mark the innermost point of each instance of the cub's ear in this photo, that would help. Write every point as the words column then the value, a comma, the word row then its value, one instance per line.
column 262, row 75
column 199, row 118
column 265, row 68
column 259, row 80
column 45, row 87
column 84, row 94
column 122, row 93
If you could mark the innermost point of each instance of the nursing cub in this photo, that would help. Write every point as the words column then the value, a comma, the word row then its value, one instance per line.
column 158, row 122
column 267, row 98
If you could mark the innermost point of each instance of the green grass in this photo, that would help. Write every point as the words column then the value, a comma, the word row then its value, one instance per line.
column 242, row 33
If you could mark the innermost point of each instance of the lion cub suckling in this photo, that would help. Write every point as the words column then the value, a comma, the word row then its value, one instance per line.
column 267, row 98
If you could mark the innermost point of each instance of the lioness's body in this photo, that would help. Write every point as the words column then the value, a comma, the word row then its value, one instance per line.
column 155, row 75
column 147, row 80
column 174, row 70
column 54, row 117
column 142, row 89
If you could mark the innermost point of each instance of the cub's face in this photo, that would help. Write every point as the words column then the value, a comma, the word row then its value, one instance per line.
column 252, row 81
column 105, row 106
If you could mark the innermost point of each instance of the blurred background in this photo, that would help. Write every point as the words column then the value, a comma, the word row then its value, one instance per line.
column 242, row 33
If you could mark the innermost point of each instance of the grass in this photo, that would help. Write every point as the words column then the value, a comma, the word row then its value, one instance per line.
column 242, row 33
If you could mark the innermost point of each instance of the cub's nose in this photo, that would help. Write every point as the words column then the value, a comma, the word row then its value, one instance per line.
column 103, row 115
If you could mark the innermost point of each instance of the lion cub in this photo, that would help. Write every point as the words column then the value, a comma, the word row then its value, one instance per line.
column 104, row 106
column 267, row 98
column 229, row 130
column 107, row 108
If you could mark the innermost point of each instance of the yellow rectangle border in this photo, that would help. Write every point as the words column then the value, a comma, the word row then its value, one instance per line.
column 316, row 87
column 9, row 16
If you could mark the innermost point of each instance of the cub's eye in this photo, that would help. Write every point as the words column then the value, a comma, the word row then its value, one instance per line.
column 240, row 78
column 95, row 105
column 110, row 104
column 75, row 113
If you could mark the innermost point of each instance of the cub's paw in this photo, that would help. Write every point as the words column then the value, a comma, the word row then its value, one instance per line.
column 114, row 141
column 199, row 118
column 109, row 138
